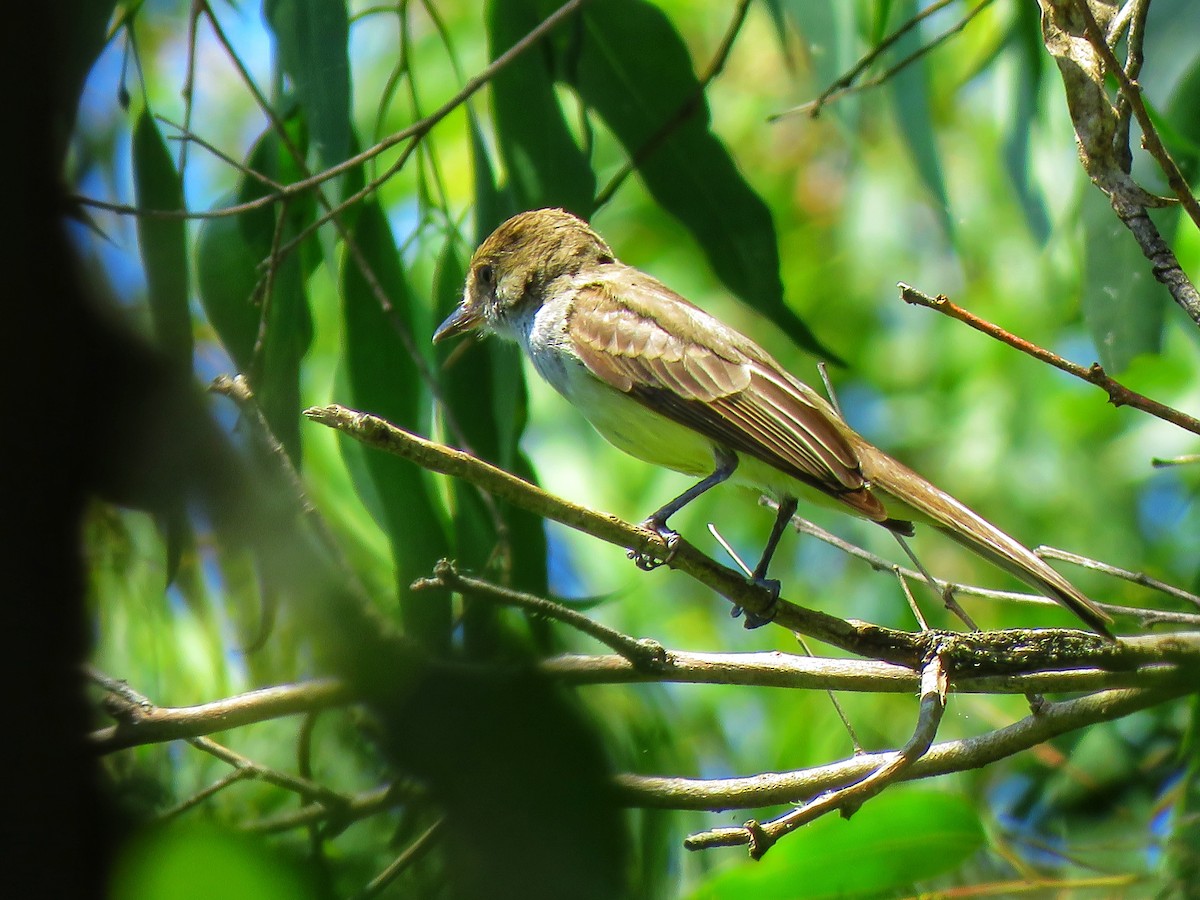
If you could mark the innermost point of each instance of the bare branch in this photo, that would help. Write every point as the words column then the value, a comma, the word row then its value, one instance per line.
column 640, row 652
column 761, row 836
column 1076, row 40
column 1131, row 93
column 1140, row 578
column 768, row 789
column 848, row 82
column 145, row 723
column 1118, row 394
column 998, row 651
column 417, row 129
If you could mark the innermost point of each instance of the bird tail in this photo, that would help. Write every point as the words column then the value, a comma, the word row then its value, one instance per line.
column 975, row 533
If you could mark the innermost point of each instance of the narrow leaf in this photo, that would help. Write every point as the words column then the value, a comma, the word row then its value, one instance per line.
column 545, row 166
column 163, row 241
column 384, row 380
column 1123, row 305
column 260, row 314
column 910, row 90
column 1027, row 74
column 312, row 36
column 635, row 72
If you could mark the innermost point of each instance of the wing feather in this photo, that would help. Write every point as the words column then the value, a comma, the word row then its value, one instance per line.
column 707, row 377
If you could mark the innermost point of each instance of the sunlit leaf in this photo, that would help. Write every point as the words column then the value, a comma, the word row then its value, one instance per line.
column 163, row 241
column 260, row 309
column 545, row 166
column 312, row 37
column 1123, row 305
column 198, row 862
column 385, row 380
column 1027, row 75
column 910, row 91
column 908, row 834
column 635, row 72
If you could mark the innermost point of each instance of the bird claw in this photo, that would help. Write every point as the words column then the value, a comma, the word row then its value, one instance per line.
column 647, row 561
column 753, row 619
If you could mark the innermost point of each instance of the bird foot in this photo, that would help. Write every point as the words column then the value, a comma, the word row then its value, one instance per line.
column 647, row 561
column 756, row 620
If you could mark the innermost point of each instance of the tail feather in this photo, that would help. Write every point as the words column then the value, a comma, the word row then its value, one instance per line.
column 974, row 532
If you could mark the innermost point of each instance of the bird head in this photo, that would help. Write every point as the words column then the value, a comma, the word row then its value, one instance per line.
column 510, row 272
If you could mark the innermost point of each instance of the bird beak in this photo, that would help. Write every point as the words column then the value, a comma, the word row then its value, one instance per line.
column 462, row 320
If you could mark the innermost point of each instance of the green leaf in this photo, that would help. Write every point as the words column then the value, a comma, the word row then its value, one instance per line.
column 484, row 391
column 312, row 37
column 265, row 333
column 831, row 39
column 1180, row 127
column 545, row 166
column 75, row 52
column 163, row 241
column 1123, row 305
column 634, row 70
column 492, row 206
column 198, row 861
column 1027, row 75
column 226, row 261
column 910, row 89
column 904, row 836
column 385, row 381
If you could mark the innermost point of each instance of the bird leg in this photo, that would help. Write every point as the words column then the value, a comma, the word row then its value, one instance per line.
column 726, row 464
column 787, row 508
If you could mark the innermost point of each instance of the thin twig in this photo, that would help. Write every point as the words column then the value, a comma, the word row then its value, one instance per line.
column 992, row 651
column 416, row 129
column 640, row 652
column 686, row 109
column 845, row 84
column 757, row 669
column 146, row 723
column 1140, row 578
column 943, row 758
column 761, row 836
column 1188, row 459
column 186, row 136
column 359, row 806
column 140, row 711
column 1118, row 394
column 879, row 564
column 204, row 794
column 411, row 854
column 237, row 389
column 1132, row 92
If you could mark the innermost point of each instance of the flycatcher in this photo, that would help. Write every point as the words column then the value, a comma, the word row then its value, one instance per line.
column 666, row 382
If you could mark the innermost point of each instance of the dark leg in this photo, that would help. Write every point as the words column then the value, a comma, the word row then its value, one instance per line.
column 657, row 521
column 787, row 508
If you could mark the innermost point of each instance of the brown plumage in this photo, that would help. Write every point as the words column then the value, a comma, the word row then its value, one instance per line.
column 667, row 382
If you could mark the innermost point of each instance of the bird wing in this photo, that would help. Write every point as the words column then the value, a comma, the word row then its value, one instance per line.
column 642, row 339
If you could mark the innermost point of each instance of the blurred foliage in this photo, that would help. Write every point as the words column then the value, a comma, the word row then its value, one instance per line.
column 958, row 176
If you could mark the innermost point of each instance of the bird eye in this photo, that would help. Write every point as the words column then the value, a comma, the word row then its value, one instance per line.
column 485, row 275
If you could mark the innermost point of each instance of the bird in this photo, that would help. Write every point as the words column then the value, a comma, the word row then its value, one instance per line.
column 670, row 384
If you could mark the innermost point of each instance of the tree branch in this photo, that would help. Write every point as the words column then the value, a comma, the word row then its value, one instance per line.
column 768, row 789
column 985, row 652
column 761, row 837
column 1118, row 394
column 1076, row 40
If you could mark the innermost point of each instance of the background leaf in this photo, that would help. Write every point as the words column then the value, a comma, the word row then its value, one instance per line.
column 383, row 377
column 312, row 37
column 260, row 311
column 912, row 834
column 545, row 166
column 163, row 241
column 635, row 72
